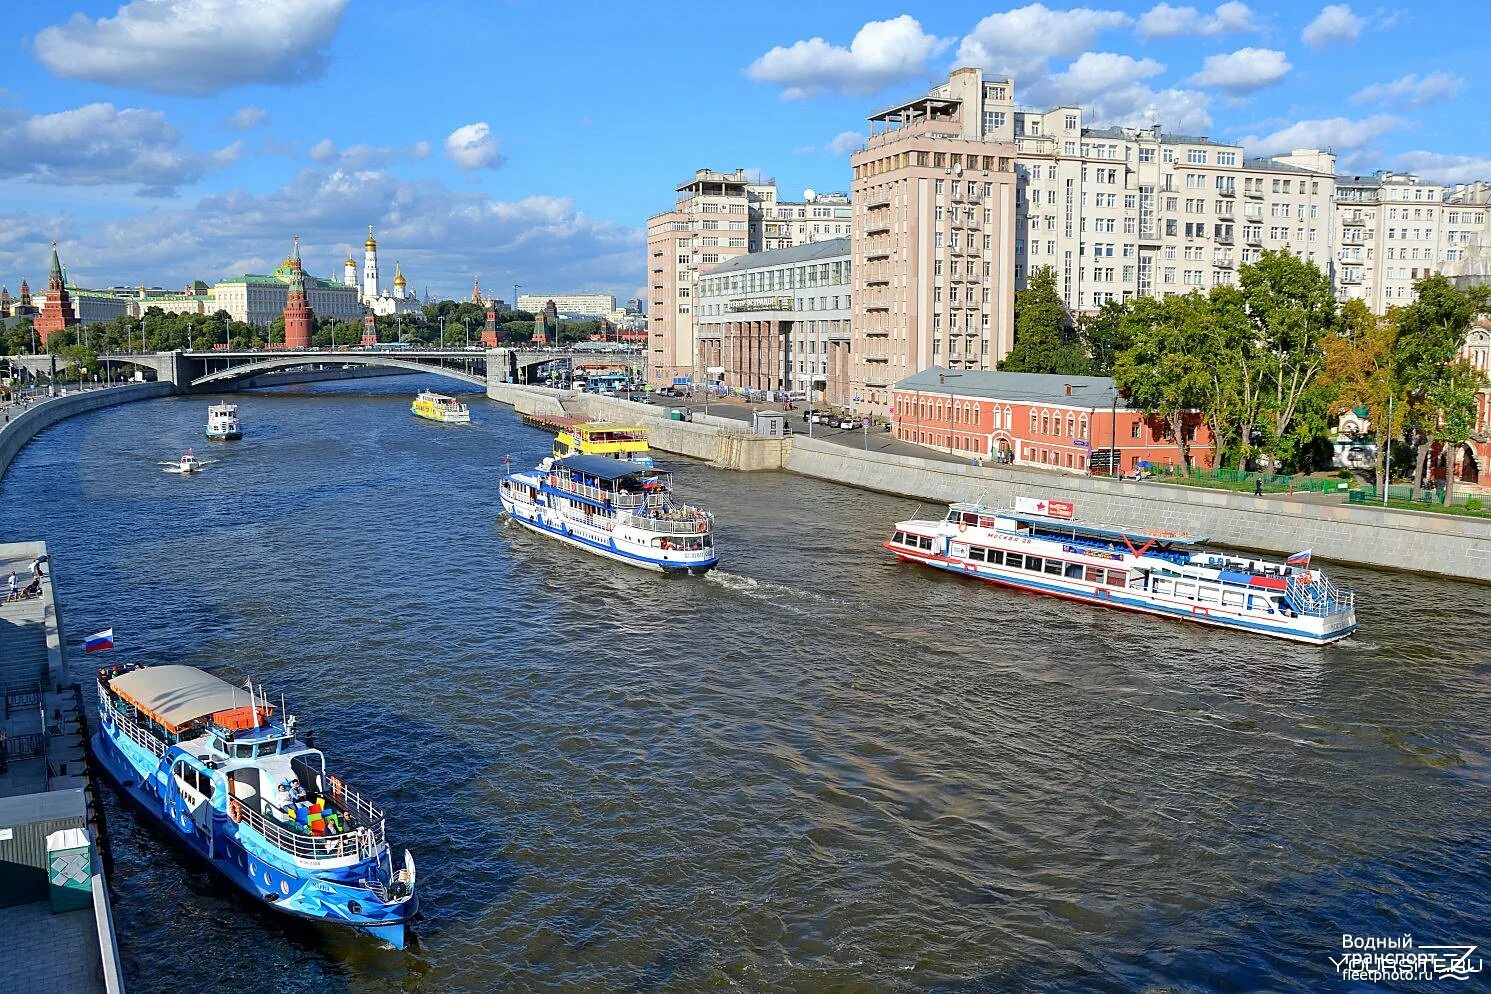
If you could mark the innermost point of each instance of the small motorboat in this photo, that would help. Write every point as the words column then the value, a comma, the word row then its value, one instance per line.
column 187, row 464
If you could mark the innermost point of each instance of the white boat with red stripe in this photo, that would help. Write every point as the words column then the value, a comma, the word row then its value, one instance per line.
column 1040, row 546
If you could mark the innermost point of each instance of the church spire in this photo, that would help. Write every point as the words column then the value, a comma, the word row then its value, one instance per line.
column 56, row 264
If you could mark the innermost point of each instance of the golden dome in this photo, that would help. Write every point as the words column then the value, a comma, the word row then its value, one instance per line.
column 398, row 276
column 371, row 243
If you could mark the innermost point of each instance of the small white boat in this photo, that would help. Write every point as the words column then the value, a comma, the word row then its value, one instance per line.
column 1038, row 546
column 434, row 406
column 222, row 422
column 187, row 464
column 612, row 508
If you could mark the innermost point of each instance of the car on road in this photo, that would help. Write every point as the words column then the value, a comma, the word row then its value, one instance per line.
column 812, row 414
column 849, row 424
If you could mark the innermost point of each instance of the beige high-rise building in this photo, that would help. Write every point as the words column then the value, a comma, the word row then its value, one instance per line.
column 1394, row 229
column 933, row 242
column 716, row 216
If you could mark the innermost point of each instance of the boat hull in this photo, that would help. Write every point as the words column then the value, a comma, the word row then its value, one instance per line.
column 539, row 526
column 224, row 436
column 1118, row 600
column 306, row 897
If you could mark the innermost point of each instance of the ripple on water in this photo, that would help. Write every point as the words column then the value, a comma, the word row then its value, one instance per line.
column 815, row 769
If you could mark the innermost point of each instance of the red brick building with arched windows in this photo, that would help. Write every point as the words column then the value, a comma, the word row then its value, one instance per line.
column 1037, row 419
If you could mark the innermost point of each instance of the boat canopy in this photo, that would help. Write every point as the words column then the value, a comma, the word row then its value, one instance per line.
column 1100, row 531
column 176, row 695
column 604, row 467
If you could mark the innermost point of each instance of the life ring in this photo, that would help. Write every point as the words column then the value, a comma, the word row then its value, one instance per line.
column 702, row 528
column 962, row 527
column 553, row 481
column 235, row 813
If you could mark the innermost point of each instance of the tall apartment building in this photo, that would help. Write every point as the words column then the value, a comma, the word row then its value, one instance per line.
column 1394, row 229
column 715, row 216
column 597, row 305
column 1125, row 212
column 817, row 217
column 779, row 320
column 933, row 241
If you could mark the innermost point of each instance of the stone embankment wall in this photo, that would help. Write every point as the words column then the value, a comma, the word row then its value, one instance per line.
column 25, row 425
column 1425, row 543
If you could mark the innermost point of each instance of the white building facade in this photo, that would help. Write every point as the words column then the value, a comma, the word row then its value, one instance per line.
column 597, row 305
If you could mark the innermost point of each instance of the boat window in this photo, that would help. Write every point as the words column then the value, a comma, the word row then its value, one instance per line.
column 1033, row 564
column 924, row 542
column 899, row 538
column 1117, row 578
column 986, row 522
column 996, row 557
column 1055, row 567
column 1209, row 595
column 1161, row 586
column 952, row 516
column 1014, row 560
column 1074, row 571
column 1232, row 598
column 970, row 518
column 1257, row 603
column 1093, row 575
column 1186, row 590
column 195, row 779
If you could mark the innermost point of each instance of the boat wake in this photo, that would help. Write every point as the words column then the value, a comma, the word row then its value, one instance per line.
column 780, row 594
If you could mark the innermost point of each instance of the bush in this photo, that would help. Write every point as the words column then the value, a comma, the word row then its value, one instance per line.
column 1474, row 504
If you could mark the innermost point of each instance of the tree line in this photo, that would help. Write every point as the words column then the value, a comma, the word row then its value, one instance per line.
column 1271, row 361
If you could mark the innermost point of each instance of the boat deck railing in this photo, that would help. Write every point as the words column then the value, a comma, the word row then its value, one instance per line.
column 615, row 498
column 130, row 727
column 362, row 842
column 689, row 522
column 1319, row 597
column 360, row 808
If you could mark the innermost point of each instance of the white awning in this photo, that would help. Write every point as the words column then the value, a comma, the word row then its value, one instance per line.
column 178, row 695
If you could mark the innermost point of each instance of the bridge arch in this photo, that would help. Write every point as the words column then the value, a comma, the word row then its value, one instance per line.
column 245, row 370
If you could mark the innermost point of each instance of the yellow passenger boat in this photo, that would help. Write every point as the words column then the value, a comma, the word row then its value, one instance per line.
column 603, row 438
column 438, row 407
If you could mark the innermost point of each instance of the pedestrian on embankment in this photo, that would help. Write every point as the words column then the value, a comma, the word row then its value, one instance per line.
column 1257, row 486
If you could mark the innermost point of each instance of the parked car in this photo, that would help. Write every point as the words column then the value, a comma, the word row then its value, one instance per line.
column 850, row 424
column 812, row 414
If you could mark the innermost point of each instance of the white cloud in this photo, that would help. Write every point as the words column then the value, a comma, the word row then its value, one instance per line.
column 1411, row 90
column 845, row 142
column 195, row 46
column 473, row 146
column 1243, row 70
column 363, row 156
column 881, row 53
column 1334, row 23
column 248, row 118
column 99, row 144
column 1440, row 167
column 1165, row 21
column 419, row 150
column 1340, row 134
column 441, row 236
column 1111, row 89
column 1018, row 42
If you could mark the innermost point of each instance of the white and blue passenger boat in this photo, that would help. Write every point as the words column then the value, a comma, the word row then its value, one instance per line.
column 612, row 508
column 1038, row 546
column 229, row 779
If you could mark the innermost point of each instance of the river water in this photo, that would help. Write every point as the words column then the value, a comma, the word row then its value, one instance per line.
column 813, row 770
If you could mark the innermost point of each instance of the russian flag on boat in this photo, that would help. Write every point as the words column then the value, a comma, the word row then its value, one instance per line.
column 97, row 643
column 1299, row 559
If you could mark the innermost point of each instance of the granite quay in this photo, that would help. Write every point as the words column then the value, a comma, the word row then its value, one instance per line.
column 1390, row 539
column 54, row 899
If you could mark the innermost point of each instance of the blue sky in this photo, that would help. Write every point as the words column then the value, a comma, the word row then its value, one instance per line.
column 168, row 140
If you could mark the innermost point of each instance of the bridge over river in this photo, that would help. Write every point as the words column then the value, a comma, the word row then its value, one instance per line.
column 220, row 369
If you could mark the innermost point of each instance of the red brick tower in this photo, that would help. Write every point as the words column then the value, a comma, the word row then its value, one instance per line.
column 369, row 329
column 297, row 311
column 489, row 333
column 24, row 306
column 57, row 313
column 475, row 292
column 5, row 302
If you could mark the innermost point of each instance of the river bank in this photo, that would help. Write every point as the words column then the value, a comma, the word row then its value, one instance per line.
column 1388, row 539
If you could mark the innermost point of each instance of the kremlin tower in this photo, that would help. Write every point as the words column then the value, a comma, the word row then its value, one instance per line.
column 24, row 307
column 57, row 313
column 297, row 311
column 475, row 292
column 5, row 302
column 349, row 271
column 489, row 333
column 370, row 267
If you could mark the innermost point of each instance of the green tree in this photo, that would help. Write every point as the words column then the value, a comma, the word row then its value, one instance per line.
column 1105, row 334
column 1455, row 395
column 1359, row 370
column 1292, row 307
column 1043, row 339
column 1167, row 371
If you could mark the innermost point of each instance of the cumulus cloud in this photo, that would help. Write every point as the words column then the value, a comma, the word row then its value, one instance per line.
column 1440, row 167
column 845, row 142
column 99, row 144
column 419, row 150
column 473, row 146
column 1334, row 23
column 1340, row 134
column 1244, row 70
column 881, row 53
column 1165, row 21
column 195, row 46
column 441, row 236
column 248, row 118
column 1019, row 42
column 1411, row 90
column 1111, row 88
column 363, row 156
